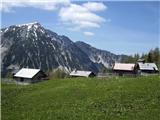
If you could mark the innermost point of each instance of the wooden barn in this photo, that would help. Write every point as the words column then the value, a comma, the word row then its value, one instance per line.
column 124, row 68
column 29, row 75
column 146, row 68
column 78, row 73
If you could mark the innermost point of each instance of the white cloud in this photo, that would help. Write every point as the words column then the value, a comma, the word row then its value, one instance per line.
column 74, row 16
column 94, row 6
column 80, row 17
column 88, row 33
column 8, row 5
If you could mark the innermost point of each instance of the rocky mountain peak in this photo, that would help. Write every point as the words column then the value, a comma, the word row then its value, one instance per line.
column 30, row 24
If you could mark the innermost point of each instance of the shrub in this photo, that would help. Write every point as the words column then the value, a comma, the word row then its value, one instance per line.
column 58, row 73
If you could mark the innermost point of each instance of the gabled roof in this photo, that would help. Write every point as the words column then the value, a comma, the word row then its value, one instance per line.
column 80, row 73
column 148, row 66
column 27, row 73
column 124, row 66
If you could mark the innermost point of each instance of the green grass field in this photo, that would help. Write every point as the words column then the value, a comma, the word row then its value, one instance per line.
column 83, row 99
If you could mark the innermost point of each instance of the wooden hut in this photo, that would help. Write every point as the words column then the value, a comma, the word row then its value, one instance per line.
column 79, row 73
column 124, row 68
column 29, row 75
column 147, row 68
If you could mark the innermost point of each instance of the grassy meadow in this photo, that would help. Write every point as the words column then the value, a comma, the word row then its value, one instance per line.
column 83, row 99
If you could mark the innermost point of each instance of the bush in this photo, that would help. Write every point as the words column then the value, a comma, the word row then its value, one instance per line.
column 58, row 73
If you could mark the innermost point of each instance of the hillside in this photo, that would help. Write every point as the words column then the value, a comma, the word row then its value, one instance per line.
column 83, row 99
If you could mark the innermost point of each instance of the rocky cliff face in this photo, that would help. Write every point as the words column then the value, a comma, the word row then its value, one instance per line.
column 99, row 56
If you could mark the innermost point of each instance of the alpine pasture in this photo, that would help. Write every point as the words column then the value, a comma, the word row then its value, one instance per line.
column 118, row 98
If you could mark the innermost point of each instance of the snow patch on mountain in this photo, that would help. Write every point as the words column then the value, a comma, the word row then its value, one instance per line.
column 28, row 24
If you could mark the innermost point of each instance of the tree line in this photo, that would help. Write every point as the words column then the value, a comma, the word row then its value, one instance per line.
column 153, row 56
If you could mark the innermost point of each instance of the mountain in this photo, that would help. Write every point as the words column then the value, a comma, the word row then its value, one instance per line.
column 99, row 56
column 31, row 45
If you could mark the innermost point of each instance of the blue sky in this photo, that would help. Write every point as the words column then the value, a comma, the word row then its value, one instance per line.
column 119, row 27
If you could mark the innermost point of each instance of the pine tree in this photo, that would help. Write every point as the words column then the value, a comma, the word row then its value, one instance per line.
column 150, row 56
